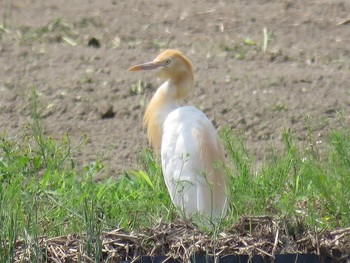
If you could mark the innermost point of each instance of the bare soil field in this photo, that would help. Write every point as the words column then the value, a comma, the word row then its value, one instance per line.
column 261, row 66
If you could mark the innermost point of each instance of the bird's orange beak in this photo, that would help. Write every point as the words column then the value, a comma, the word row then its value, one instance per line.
column 147, row 66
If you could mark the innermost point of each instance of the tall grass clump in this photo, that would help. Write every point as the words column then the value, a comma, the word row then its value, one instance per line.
column 295, row 184
column 45, row 192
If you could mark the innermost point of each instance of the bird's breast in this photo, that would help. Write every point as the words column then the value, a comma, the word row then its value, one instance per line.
column 186, row 130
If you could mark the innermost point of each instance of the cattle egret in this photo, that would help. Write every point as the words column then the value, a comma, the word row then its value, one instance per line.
column 191, row 152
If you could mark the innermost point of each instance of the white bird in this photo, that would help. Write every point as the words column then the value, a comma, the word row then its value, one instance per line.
column 191, row 152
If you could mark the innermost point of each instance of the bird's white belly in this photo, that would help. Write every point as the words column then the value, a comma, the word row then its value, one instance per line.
column 183, row 168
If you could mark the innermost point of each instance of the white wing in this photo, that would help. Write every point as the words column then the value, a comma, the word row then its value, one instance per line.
column 191, row 154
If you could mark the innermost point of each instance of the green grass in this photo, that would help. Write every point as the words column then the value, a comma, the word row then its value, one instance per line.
column 301, row 185
column 44, row 193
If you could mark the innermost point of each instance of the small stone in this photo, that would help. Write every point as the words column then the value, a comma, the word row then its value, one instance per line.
column 106, row 111
column 93, row 42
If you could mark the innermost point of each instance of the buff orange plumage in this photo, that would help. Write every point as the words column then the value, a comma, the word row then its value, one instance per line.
column 191, row 152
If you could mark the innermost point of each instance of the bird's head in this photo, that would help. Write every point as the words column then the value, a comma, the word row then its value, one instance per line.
column 170, row 65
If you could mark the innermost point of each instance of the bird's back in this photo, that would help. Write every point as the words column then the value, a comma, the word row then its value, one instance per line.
column 192, row 158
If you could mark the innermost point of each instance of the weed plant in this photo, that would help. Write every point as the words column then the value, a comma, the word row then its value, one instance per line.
column 305, row 186
column 44, row 193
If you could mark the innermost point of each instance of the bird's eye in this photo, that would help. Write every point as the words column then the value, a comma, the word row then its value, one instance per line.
column 167, row 62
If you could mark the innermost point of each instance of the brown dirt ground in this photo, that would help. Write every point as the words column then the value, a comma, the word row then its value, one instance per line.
column 304, row 71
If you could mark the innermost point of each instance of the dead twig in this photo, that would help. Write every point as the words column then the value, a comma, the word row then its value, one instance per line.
column 344, row 22
column 275, row 243
column 264, row 252
column 206, row 12
column 340, row 231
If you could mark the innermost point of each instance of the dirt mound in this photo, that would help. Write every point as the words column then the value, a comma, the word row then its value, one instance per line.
column 180, row 240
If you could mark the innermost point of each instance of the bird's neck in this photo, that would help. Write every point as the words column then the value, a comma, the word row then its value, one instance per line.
column 157, row 110
column 182, row 84
column 164, row 101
